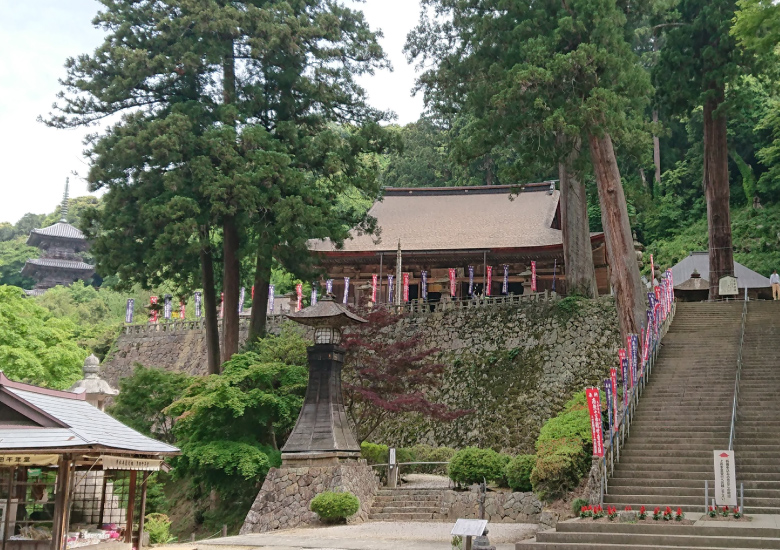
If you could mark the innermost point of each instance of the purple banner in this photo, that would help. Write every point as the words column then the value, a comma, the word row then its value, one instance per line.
column 424, row 284
column 471, row 280
column 271, row 298
column 129, row 310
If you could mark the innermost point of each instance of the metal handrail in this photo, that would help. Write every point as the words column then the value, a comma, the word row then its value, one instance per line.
column 738, row 375
column 619, row 433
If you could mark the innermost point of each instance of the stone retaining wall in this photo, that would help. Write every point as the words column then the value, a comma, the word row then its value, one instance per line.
column 283, row 501
column 499, row 507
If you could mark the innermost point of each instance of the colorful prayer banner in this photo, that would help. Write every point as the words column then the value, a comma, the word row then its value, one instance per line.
column 152, row 302
column 129, row 310
column 471, row 280
column 271, row 297
column 533, row 276
column 329, row 286
column 314, row 293
column 167, row 306
column 182, row 309
column 610, row 400
column 405, row 278
column 346, row 289
column 505, row 284
column 594, row 407
column 424, row 284
column 374, row 279
column 389, row 289
column 453, row 278
column 489, row 280
column 299, row 294
column 614, row 404
column 198, row 298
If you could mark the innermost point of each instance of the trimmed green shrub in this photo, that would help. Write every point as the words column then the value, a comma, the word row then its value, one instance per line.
column 502, row 480
column 518, row 472
column 572, row 422
column 560, row 465
column 373, row 453
column 159, row 528
column 335, row 507
column 472, row 465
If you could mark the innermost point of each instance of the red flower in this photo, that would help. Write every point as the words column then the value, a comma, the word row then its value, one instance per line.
column 628, row 508
column 657, row 509
column 679, row 511
column 642, row 509
column 668, row 510
column 736, row 509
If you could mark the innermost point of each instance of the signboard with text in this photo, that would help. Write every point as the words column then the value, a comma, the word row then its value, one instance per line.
column 594, row 406
column 725, row 479
column 727, row 286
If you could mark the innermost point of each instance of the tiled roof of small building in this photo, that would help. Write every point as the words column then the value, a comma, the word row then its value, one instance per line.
column 458, row 218
column 60, row 230
column 61, row 264
column 700, row 261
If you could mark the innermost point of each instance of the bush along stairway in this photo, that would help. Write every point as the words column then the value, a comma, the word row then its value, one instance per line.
column 586, row 535
column 684, row 412
column 406, row 505
column 757, row 429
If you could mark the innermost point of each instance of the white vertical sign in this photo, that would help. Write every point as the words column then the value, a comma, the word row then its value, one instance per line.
column 725, row 479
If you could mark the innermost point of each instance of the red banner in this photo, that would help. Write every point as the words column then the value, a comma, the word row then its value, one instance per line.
column 489, row 281
column 453, row 278
column 153, row 301
column 533, row 276
column 181, row 309
column 594, row 406
column 374, row 279
column 406, row 287
column 613, row 405
column 299, row 292
column 253, row 292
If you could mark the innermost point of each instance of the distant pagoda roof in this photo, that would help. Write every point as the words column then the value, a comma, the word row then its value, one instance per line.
column 59, row 264
column 60, row 230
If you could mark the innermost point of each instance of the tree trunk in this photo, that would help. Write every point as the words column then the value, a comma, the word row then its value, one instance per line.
column 656, row 152
column 626, row 284
column 257, row 328
column 716, row 190
column 210, row 306
column 577, row 250
column 231, row 281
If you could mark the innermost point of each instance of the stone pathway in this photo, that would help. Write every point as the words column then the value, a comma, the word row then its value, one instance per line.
column 425, row 481
column 364, row 536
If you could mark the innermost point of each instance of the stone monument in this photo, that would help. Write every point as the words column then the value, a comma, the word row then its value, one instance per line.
column 322, row 453
column 97, row 390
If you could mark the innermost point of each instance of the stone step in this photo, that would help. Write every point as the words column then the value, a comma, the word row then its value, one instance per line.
column 381, row 516
column 660, row 540
column 405, row 510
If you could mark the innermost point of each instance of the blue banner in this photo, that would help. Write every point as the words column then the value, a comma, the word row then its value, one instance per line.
column 129, row 311
column 626, row 382
column 608, row 393
column 424, row 281
column 471, row 280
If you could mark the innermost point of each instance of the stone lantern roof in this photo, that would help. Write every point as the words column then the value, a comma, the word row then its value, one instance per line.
column 95, row 388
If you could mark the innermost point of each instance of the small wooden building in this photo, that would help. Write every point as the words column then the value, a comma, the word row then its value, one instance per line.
column 456, row 227
column 70, row 474
column 692, row 273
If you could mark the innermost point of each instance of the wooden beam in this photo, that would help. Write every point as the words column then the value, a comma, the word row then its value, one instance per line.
column 130, row 506
column 143, row 511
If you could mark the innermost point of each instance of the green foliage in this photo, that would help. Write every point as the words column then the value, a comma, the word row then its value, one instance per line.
column 560, row 464
column 428, row 453
column 570, row 305
column 143, row 398
column 13, row 255
column 36, row 347
column 563, row 450
column 572, row 423
column 473, row 465
column 228, row 425
column 374, row 453
column 334, row 507
column 518, row 472
column 159, row 528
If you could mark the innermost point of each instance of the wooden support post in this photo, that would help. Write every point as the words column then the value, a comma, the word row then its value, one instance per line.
column 143, row 511
column 130, row 506
column 8, row 504
column 101, row 513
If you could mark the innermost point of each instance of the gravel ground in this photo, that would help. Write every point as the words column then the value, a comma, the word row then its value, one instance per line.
column 364, row 536
column 424, row 481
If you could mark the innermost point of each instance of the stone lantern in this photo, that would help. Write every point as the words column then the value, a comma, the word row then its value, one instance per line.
column 96, row 388
column 322, row 434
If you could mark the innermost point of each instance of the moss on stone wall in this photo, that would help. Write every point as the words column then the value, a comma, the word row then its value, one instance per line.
column 515, row 367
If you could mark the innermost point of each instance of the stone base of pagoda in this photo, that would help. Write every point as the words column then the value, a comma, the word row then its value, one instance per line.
column 284, row 500
column 331, row 458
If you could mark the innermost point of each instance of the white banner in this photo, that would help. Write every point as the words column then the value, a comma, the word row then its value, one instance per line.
column 124, row 463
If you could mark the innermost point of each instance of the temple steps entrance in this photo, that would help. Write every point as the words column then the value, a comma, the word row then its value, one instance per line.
column 406, row 505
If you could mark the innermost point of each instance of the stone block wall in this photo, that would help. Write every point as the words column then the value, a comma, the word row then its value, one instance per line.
column 283, row 501
column 500, row 507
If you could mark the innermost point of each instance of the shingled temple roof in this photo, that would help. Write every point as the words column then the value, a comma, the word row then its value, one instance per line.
column 458, row 218
column 61, row 264
column 700, row 261
column 59, row 230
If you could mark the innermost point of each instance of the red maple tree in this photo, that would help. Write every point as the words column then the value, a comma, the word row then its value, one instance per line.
column 389, row 371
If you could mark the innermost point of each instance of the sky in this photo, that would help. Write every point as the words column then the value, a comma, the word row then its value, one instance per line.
column 36, row 36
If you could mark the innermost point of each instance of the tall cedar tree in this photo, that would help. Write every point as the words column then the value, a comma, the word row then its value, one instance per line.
column 385, row 375
column 548, row 76
column 697, row 63
column 227, row 113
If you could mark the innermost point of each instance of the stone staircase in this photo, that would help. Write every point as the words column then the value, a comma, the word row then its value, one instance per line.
column 757, row 440
column 684, row 413
column 406, row 505
column 586, row 534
